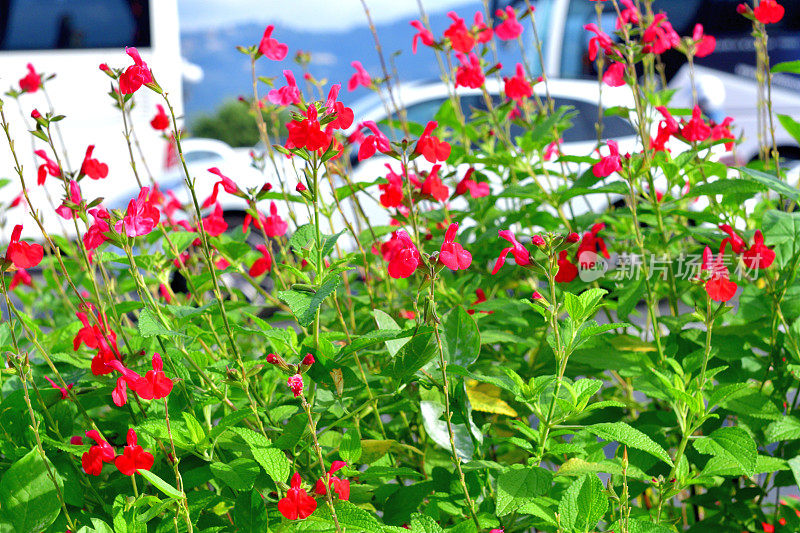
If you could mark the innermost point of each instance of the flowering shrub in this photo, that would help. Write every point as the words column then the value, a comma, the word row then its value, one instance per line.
column 498, row 358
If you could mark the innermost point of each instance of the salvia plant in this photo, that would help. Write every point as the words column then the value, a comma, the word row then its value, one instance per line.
column 494, row 359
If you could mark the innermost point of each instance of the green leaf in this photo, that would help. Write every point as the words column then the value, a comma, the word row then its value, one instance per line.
column 301, row 237
column 794, row 465
column 249, row 512
column 349, row 516
column 28, row 497
column 387, row 323
column 518, row 484
column 733, row 443
column 161, row 485
column 785, row 428
column 414, row 355
column 437, row 430
column 631, row 437
column 583, row 504
column 271, row 459
column 773, row 183
column 462, row 339
column 304, row 305
column 421, row 523
column 150, row 325
column 792, row 67
column 791, row 126
column 239, row 474
column 350, row 447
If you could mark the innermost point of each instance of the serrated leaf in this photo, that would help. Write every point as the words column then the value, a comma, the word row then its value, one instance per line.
column 272, row 460
column 583, row 504
column 629, row 436
column 150, row 325
column 350, row 447
column 517, row 485
column 785, row 428
column 239, row 474
column 304, row 305
column 28, row 497
column 733, row 443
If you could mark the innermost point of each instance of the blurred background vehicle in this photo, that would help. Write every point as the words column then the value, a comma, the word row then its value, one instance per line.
column 729, row 72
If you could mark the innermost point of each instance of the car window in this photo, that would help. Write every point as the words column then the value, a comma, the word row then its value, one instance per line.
column 201, row 155
column 71, row 24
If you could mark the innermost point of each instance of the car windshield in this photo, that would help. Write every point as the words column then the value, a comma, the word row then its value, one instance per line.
column 73, row 24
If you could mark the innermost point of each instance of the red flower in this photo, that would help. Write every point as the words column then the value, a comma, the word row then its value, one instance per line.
column 295, row 383
column 481, row 297
column 32, row 80
column 629, row 15
column 521, row 255
column 614, row 75
column 287, row 95
column 393, row 191
column 768, row 12
column 482, row 32
column 566, row 270
column 95, row 234
column 21, row 277
column 510, row 28
column 704, row 44
column 161, row 120
column 696, row 130
column 274, row 225
column 408, row 315
column 610, row 163
column 361, row 77
column 453, row 255
column 344, row 115
column 262, row 264
column 135, row 75
column 758, row 255
column 64, row 392
column 270, row 47
column 431, row 147
column 403, row 257
column 141, row 217
column 477, row 189
column 306, row 133
column 423, row 34
column 22, row 254
column 92, row 167
column 591, row 242
column 518, row 87
column 723, row 131
column 377, row 142
column 154, row 385
column 470, row 73
column 459, row 35
column 659, row 36
column 48, row 167
column 434, row 187
column 65, row 211
column 215, row 224
column 339, row 486
column 737, row 243
column 719, row 286
column 133, row 457
column 600, row 40
column 768, row 528
column 297, row 504
column 101, row 452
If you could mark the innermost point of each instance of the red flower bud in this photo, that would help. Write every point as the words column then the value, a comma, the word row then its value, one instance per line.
column 308, row 360
column 573, row 237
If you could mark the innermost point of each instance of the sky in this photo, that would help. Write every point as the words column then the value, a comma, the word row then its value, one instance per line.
column 307, row 15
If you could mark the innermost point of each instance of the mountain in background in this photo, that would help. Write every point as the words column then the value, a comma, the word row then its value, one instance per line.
column 227, row 71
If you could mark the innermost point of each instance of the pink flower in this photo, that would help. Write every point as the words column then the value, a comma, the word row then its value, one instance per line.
column 477, row 189
column 95, row 235
column 470, row 73
column 135, row 75
column 453, row 255
column 372, row 143
column 361, row 77
column 404, row 257
column 610, row 163
column 518, row 87
column 460, row 37
column 614, row 75
column 274, row 225
column 287, row 95
column 521, row 255
column 270, row 47
column 64, row 392
column 141, row 217
column 48, row 167
column 160, row 121
column 423, row 34
column 92, row 167
column 32, row 80
column 510, row 28
column 65, row 211
column 704, row 44
column 600, row 40
column 21, row 277
column 295, row 383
